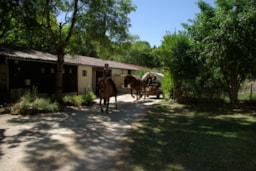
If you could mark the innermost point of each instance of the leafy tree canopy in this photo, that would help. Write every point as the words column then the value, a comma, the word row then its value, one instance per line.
column 225, row 38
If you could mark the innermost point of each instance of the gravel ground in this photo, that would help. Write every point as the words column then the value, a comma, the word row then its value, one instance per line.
column 75, row 140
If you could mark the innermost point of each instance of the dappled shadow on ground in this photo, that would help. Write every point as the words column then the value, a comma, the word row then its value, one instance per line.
column 77, row 139
column 178, row 138
column 2, row 136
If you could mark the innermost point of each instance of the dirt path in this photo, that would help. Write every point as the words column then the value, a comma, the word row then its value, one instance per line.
column 75, row 140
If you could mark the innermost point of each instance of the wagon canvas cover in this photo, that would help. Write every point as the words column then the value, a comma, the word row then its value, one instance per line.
column 159, row 76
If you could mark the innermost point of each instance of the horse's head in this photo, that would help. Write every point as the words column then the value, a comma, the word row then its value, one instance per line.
column 126, row 80
column 129, row 79
column 101, row 84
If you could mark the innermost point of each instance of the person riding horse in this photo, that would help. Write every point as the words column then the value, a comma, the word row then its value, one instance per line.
column 107, row 75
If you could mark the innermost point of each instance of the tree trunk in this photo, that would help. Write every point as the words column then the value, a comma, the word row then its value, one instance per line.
column 59, row 78
column 233, row 90
column 233, row 95
column 251, row 90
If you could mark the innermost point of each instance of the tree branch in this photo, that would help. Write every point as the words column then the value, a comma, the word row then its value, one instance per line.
column 73, row 21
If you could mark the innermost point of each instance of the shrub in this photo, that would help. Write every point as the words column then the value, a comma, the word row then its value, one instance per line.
column 68, row 99
column 52, row 107
column 89, row 97
column 25, row 101
column 78, row 100
column 45, row 104
column 30, row 103
column 167, row 85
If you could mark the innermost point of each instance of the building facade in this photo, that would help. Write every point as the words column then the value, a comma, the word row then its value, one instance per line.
column 22, row 68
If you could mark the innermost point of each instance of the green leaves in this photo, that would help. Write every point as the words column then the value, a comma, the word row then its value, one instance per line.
column 225, row 37
column 176, row 56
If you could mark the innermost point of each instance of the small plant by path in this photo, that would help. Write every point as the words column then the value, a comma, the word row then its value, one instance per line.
column 30, row 103
column 78, row 100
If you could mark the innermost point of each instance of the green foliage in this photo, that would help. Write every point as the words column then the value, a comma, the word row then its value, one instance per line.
column 68, row 99
column 26, row 99
column 89, row 97
column 139, row 53
column 29, row 103
column 224, row 42
column 140, row 73
column 177, row 58
column 21, row 24
column 101, row 27
column 167, row 85
column 44, row 104
column 78, row 100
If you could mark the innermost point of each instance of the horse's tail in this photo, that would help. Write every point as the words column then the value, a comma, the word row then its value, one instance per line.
column 143, row 88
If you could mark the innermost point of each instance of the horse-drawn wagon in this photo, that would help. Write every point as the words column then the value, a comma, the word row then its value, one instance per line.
column 153, row 83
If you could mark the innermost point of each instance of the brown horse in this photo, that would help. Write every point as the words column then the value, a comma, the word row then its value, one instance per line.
column 106, row 90
column 135, row 84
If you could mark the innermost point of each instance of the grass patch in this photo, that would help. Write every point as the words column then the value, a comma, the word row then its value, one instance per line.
column 178, row 137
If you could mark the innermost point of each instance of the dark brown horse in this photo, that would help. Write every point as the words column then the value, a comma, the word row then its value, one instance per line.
column 106, row 90
column 135, row 84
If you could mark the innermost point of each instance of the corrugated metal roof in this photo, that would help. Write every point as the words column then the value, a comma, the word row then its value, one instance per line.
column 26, row 53
column 35, row 55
